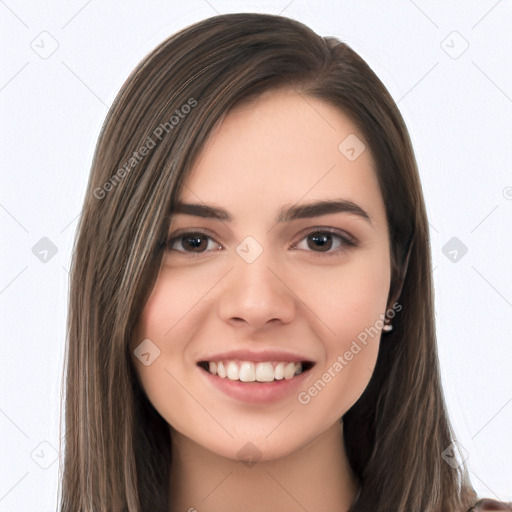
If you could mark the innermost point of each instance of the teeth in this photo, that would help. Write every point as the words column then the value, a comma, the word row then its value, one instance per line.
column 232, row 371
column 247, row 371
column 289, row 370
column 221, row 372
column 279, row 371
column 264, row 372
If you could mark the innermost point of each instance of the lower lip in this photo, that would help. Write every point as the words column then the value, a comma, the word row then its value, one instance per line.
column 256, row 392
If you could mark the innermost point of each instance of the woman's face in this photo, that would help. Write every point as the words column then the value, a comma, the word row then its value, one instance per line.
column 255, row 274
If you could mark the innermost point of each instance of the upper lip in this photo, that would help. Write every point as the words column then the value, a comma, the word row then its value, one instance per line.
column 257, row 356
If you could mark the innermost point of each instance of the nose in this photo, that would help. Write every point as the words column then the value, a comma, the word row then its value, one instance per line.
column 256, row 294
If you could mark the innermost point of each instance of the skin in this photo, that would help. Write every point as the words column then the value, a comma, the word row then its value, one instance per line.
column 278, row 151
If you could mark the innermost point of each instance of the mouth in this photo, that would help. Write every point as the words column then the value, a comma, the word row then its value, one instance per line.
column 256, row 382
column 257, row 372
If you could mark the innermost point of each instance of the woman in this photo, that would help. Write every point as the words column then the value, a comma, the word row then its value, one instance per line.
column 251, row 317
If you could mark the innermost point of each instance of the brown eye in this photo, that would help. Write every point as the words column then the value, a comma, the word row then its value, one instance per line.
column 195, row 243
column 326, row 241
column 191, row 243
column 320, row 241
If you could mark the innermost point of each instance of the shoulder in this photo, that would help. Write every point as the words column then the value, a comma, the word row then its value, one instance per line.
column 489, row 505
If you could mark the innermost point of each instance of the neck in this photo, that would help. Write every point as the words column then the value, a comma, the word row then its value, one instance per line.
column 316, row 477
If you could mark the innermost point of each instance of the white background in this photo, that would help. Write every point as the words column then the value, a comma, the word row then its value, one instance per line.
column 458, row 111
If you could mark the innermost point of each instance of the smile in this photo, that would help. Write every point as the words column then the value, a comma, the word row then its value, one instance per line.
column 248, row 371
column 265, row 381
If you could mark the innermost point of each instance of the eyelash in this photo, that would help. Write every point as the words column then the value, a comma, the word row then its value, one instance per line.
column 346, row 242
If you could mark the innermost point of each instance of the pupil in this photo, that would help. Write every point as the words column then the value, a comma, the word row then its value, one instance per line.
column 194, row 242
column 322, row 241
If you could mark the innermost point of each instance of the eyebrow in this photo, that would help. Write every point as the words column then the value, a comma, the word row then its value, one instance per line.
column 286, row 214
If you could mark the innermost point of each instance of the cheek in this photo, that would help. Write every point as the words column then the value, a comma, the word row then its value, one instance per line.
column 154, row 320
column 351, row 305
column 351, row 299
column 158, row 323
column 361, row 302
column 172, row 304
column 170, row 320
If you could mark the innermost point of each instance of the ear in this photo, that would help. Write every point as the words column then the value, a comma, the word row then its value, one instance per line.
column 403, row 272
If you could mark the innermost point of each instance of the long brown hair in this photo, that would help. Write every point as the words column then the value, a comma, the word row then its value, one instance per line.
column 117, row 447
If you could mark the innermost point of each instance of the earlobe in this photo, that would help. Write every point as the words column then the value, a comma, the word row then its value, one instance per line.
column 388, row 326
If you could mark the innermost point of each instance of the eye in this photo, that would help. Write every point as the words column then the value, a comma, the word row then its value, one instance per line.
column 192, row 242
column 325, row 241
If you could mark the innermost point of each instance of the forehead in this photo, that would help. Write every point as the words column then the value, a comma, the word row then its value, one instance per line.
column 282, row 148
